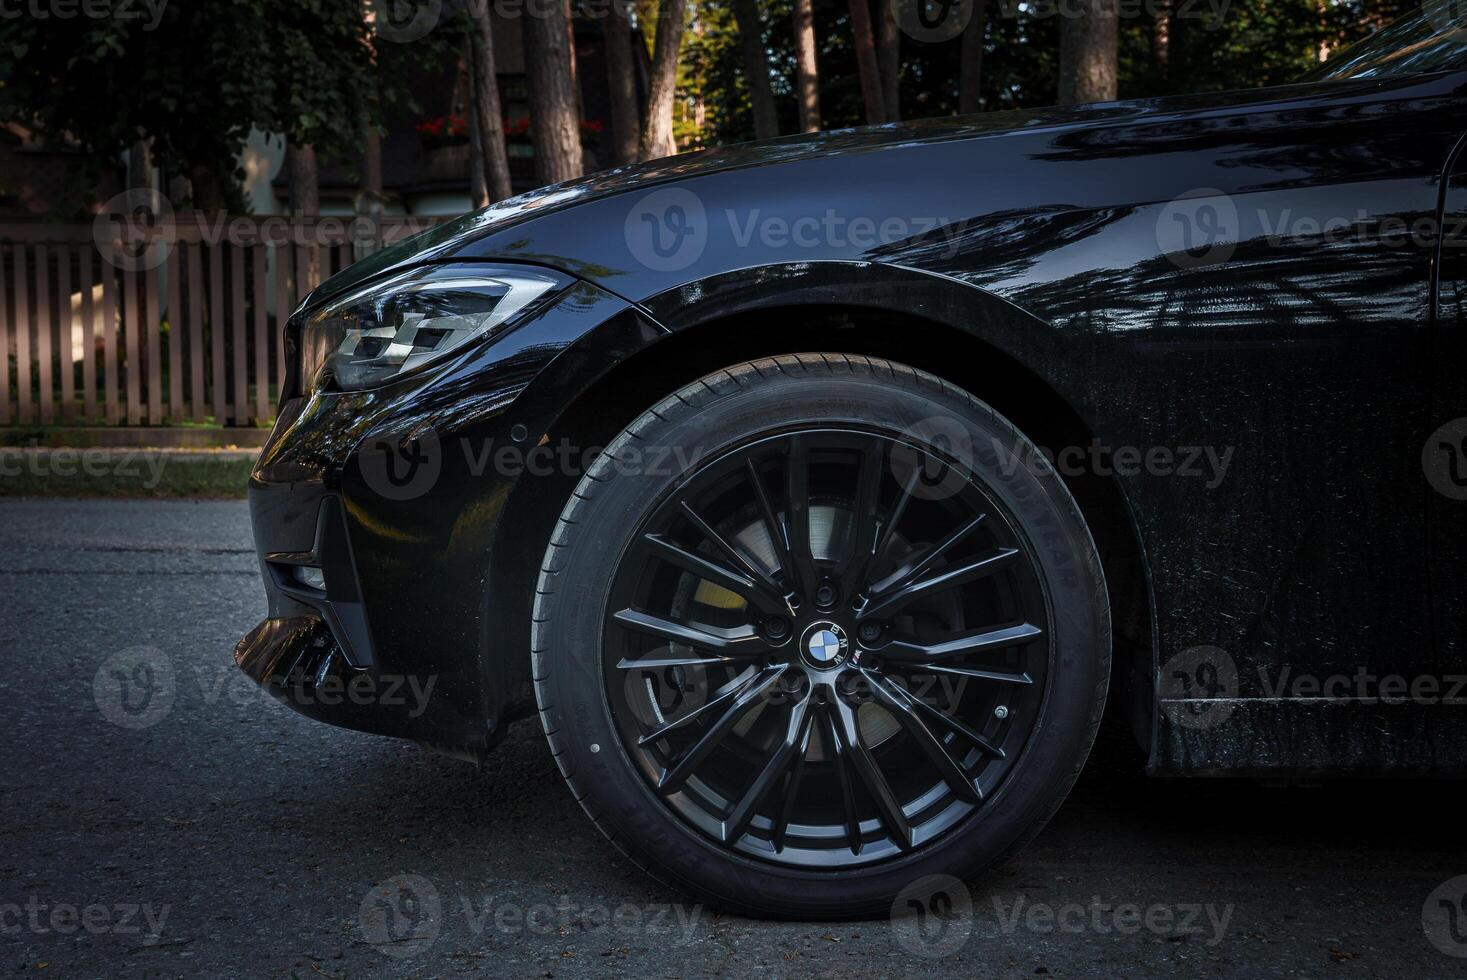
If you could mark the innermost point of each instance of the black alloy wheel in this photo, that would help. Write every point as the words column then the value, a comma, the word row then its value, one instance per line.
column 811, row 655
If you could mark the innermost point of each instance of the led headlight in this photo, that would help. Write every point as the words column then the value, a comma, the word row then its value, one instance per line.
column 396, row 326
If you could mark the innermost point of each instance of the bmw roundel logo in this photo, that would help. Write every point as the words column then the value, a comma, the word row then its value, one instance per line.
column 825, row 646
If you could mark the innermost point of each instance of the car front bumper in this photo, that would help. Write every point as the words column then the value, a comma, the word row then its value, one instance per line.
column 378, row 518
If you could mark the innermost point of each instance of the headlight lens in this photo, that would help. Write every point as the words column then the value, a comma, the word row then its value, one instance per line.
column 395, row 327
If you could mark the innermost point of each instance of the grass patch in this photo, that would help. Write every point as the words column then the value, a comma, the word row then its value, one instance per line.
column 97, row 472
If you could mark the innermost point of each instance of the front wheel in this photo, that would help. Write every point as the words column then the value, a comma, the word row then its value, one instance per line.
column 815, row 628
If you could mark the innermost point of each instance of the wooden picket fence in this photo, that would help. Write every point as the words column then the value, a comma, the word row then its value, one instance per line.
column 175, row 322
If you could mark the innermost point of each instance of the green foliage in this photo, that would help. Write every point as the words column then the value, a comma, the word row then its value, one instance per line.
column 1252, row 43
column 198, row 79
column 710, row 80
column 195, row 81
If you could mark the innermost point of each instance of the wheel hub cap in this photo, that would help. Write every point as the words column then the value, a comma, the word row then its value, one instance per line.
column 825, row 646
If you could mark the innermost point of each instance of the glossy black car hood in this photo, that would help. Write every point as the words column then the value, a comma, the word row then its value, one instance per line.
column 455, row 239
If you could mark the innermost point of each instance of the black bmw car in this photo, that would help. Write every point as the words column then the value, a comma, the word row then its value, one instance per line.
column 820, row 494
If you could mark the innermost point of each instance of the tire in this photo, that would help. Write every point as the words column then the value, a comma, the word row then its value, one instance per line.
column 782, row 815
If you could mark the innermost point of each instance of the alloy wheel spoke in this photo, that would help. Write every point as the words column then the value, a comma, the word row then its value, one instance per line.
column 892, row 600
column 859, row 758
column 888, row 530
column 901, row 705
column 706, row 710
column 673, row 778
column 943, row 718
column 797, row 498
column 792, row 786
column 862, row 538
column 912, row 652
column 727, row 645
column 771, row 593
column 776, row 528
column 796, row 735
column 738, row 582
column 975, row 673
column 927, row 560
column 836, row 747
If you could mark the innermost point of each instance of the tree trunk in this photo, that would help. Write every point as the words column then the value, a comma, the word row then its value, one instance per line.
column 370, row 198
column 1161, row 38
column 369, row 195
column 889, row 48
column 304, row 181
column 970, row 74
column 554, row 108
column 484, row 99
column 866, row 67
column 657, row 125
column 478, row 179
column 756, row 68
column 570, row 42
column 140, row 165
column 1088, row 53
column 305, row 199
column 621, row 74
column 807, row 74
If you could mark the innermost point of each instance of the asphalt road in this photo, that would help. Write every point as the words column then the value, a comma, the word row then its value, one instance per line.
column 160, row 816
